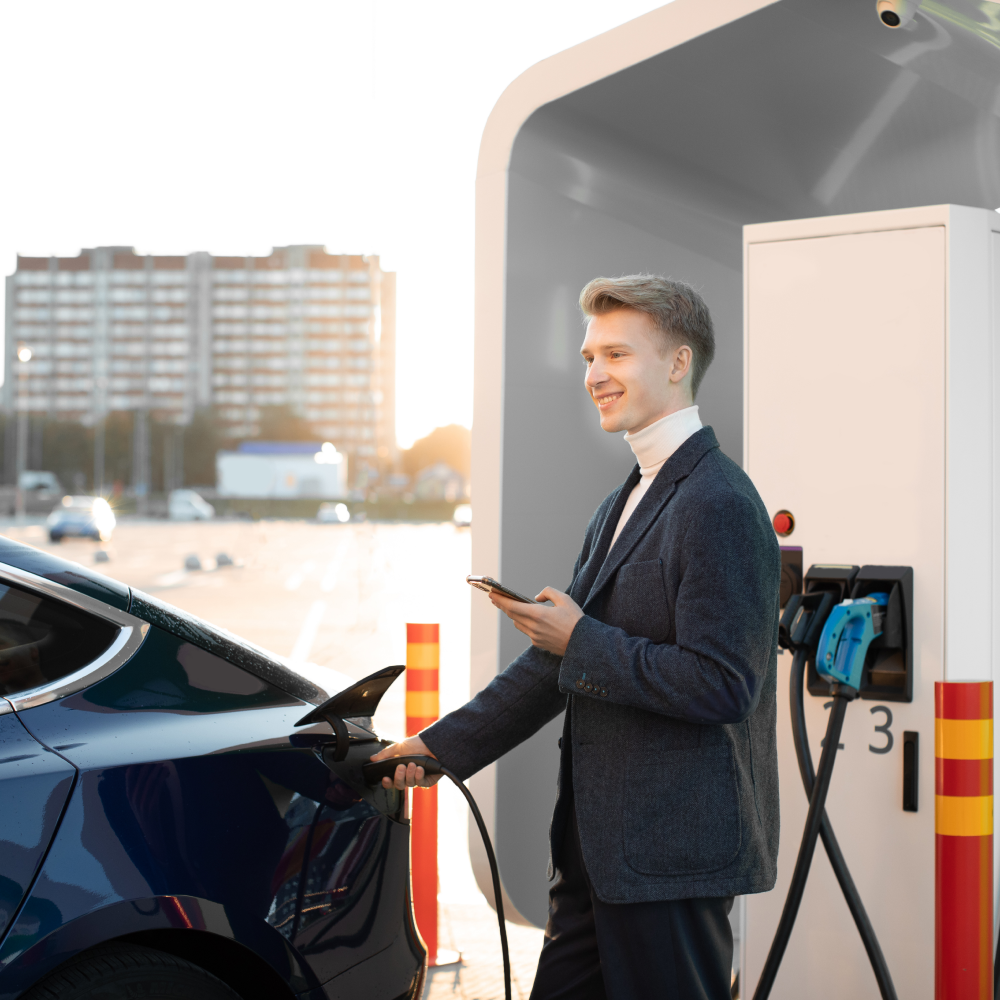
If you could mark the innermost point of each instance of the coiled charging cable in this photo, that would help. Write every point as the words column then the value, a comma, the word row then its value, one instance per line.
column 374, row 771
column 818, row 824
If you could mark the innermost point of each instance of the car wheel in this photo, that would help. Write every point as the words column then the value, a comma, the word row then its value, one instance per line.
column 54, row 537
column 122, row 971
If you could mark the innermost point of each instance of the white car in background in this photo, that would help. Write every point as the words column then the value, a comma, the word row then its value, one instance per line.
column 333, row 513
column 82, row 517
column 187, row 505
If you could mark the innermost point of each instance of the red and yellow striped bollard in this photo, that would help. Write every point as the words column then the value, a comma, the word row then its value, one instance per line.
column 963, row 824
column 423, row 657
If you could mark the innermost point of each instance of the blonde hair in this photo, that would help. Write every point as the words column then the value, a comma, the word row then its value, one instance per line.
column 678, row 311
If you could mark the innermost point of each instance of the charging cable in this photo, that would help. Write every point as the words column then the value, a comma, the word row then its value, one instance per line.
column 807, row 623
column 375, row 770
column 837, row 863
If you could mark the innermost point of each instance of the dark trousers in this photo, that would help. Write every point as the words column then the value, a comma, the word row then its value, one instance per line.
column 674, row 950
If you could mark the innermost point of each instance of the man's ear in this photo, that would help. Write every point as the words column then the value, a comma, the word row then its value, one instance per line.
column 680, row 366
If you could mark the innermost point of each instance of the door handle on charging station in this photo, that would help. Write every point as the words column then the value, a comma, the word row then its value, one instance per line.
column 375, row 770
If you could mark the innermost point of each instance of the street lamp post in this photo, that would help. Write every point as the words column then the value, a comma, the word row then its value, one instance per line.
column 23, row 357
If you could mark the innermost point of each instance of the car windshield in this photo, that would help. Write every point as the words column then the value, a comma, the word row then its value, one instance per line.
column 78, row 503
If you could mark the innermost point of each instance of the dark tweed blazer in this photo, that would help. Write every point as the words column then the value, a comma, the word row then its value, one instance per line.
column 669, row 684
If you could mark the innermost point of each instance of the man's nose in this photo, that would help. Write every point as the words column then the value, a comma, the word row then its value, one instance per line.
column 595, row 375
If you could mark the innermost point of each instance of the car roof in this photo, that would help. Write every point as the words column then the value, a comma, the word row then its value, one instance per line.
column 69, row 574
column 231, row 648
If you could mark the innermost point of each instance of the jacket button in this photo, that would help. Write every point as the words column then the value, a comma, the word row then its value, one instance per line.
column 604, row 692
column 588, row 687
column 579, row 684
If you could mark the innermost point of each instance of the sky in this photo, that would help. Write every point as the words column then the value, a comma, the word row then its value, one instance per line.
column 236, row 127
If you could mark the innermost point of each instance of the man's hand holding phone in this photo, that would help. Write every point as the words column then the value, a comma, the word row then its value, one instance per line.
column 549, row 627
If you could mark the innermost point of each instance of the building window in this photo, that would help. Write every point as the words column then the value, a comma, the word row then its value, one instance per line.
column 325, row 294
column 237, row 293
column 170, row 295
column 167, row 347
column 38, row 313
column 30, row 295
column 128, row 277
column 64, row 278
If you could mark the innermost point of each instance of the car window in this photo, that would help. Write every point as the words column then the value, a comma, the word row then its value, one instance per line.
column 224, row 644
column 43, row 640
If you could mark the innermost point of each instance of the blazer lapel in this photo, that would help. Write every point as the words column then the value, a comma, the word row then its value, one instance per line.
column 676, row 468
column 590, row 569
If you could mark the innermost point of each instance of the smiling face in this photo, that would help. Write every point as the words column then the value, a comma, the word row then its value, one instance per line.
column 634, row 375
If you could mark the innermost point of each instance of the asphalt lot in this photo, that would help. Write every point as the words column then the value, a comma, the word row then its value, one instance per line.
column 336, row 599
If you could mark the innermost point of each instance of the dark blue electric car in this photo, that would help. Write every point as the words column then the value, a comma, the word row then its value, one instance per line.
column 165, row 828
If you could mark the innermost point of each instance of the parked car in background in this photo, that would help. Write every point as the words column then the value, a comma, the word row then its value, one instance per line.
column 83, row 517
column 40, row 491
column 333, row 513
column 36, row 481
column 187, row 505
column 167, row 829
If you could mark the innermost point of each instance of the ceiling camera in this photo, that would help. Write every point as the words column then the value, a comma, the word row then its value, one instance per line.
column 896, row 13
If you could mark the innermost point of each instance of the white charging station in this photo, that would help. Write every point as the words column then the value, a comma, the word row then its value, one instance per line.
column 650, row 148
column 869, row 414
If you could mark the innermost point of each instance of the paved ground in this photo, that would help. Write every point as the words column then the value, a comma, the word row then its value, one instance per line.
column 337, row 598
column 472, row 929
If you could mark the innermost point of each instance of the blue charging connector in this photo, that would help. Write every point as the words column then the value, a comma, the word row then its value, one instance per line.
column 847, row 634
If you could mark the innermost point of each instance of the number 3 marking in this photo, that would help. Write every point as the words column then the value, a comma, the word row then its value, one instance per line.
column 884, row 728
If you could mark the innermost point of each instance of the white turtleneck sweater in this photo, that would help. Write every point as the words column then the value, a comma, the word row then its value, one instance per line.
column 652, row 446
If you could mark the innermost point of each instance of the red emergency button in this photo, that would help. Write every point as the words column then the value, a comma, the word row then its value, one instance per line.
column 784, row 523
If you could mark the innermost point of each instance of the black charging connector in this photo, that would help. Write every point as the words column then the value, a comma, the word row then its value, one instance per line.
column 803, row 619
column 791, row 573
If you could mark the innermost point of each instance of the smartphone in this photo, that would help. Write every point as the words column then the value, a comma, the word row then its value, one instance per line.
column 488, row 584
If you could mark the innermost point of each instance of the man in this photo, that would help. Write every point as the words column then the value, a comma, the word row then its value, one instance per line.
column 663, row 654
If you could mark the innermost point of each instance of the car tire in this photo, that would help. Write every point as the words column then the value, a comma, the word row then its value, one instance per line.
column 124, row 971
column 55, row 538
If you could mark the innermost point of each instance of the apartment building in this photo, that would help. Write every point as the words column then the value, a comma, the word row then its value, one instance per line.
column 164, row 336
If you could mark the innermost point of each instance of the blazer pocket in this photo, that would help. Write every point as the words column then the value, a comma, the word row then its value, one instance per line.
column 682, row 812
column 638, row 601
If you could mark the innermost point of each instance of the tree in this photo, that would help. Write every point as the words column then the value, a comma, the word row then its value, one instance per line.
column 451, row 445
column 203, row 437
column 279, row 423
